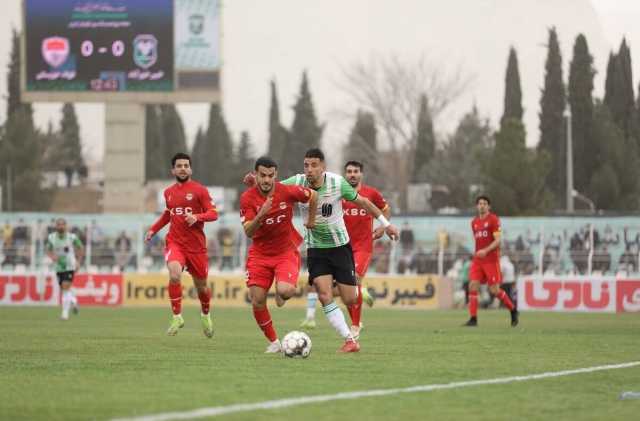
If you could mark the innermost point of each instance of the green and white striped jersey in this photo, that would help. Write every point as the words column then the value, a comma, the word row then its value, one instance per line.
column 329, row 230
column 64, row 248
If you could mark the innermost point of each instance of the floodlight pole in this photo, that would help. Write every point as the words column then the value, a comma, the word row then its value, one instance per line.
column 570, row 208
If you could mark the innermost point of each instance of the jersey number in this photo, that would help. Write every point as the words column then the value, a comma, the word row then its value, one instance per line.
column 327, row 209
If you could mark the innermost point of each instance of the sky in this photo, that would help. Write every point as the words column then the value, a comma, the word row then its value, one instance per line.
column 279, row 39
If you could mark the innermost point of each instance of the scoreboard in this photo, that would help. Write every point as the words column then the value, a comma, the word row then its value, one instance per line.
column 129, row 50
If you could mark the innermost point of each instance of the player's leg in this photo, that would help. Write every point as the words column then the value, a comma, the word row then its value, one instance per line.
column 343, row 270
column 175, row 263
column 65, row 287
column 198, row 267
column 495, row 279
column 286, row 271
column 259, row 279
column 309, row 321
column 74, row 299
column 323, row 284
column 361, row 261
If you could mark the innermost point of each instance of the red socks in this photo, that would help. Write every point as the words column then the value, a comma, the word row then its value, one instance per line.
column 355, row 310
column 473, row 303
column 205, row 299
column 263, row 318
column 502, row 296
column 175, row 296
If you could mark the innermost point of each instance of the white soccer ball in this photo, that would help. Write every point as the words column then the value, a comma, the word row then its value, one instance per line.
column 296, row 344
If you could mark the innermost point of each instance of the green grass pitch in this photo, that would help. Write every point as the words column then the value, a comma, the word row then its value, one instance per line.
column 108, row 363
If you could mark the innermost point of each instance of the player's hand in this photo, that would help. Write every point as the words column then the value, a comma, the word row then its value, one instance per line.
column 266, row 207
column 148, row 236
column 310, row 224
column 392, row 232
column 191, row 219
column 378, row 233
column 482, row 253
column 249, row 180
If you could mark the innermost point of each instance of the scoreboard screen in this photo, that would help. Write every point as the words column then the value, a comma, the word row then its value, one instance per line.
column 99, row 46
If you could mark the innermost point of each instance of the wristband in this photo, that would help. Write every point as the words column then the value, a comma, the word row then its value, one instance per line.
column 385, row 223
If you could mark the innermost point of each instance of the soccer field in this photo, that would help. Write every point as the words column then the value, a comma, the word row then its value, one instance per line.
column 108, row 363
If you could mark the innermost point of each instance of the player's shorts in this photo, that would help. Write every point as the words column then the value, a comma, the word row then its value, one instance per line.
column 197, row 264
column 484, row 273
column 261, row 269
column 361, row 260
column 66, row 276
column 336, row 261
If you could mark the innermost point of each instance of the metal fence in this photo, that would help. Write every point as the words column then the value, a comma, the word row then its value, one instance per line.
column 114, row 243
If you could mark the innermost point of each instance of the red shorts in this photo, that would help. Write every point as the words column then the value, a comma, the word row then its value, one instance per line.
column 261, row 269
column 197, row 264
column 488, row 272
column 362, row 260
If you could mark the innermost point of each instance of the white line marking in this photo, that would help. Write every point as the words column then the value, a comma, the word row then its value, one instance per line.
column 283, row 403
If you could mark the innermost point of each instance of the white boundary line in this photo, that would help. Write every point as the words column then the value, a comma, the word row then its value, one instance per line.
column 283, row 403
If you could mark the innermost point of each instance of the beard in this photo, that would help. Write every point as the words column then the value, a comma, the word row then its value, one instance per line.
column 182, row 179
column 353, row 182
column 265, row 191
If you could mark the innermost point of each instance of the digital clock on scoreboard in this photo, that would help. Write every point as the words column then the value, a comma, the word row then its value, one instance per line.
column 97, row 46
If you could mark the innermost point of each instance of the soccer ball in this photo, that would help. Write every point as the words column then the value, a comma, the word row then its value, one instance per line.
column 296, row 344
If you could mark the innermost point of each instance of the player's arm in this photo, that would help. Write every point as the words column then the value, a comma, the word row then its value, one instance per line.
column 209, row 213
column 50, row 253
column 350, row 194
column 494, row 245
column 381, row 204
column 309, row 196
column 78, row 249
column 158, row 225
column 251, row 222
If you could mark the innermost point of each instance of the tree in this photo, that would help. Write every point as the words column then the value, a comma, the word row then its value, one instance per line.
column 425, row 142
column 390, row 88
column 198, row 154
column 172, row 131
column 515, row 175
column 552, row 123
column 581, row 73
column 156, row 164
column 306, row 132
column 362, row 146
column 14, row 101
column 513, row 92
column 244, row 161
column 457, row 164
column 277, row 133
column 619, row 94
column 217, row 160
column 70, row 147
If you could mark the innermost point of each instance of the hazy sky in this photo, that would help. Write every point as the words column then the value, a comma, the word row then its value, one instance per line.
column 279, row 38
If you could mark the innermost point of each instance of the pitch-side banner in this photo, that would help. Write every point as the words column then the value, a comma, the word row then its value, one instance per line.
column 606, row 294
column 43, row 289
column 424, row 292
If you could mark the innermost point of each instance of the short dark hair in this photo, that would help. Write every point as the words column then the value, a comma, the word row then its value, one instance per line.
column 266, row 162
column 314, row 153
column 180, row 155
column 479, row 198
column 354, row 164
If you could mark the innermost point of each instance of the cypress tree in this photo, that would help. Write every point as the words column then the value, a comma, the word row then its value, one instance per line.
column 217, row 161
column 157, row 166
column 581, row 73
column 362, row 146
column 513, row 92
column 277, row 133
column 552, row 124
column 173, row 131
column 305, row 131
column 70, row 150
column 425, row 142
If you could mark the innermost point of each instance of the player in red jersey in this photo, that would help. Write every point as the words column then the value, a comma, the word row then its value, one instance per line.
column 266, row 213
column 485, row 266
column 359, row 224
column 189, row 206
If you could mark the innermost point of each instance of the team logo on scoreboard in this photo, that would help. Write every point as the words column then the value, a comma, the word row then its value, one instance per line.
column 145, row 50
column 196, row 24
column 55, row 51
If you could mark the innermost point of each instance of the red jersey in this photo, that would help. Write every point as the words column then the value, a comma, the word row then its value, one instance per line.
column 484, row 230
column 359, row 222
column 183, row 199
column 277, row 234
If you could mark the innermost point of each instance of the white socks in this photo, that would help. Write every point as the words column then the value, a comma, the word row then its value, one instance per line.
column 336, row 318
column 312, row 298
column 67, row 299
